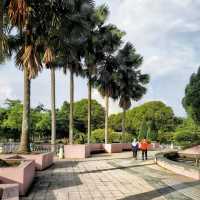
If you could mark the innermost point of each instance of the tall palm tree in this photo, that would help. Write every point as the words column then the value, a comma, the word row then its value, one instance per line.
column 75, row 26
column 131, row 82
column 92, row 54
column 109, row 41
column 49, row 60
column 21, row 14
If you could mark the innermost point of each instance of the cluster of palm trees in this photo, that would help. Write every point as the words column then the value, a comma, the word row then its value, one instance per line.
column 71, row 35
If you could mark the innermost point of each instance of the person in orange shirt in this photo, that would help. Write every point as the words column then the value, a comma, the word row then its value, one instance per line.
column 144, row 148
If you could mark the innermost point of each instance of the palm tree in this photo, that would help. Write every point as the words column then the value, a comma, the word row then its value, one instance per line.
column 109, row 40
column 75, row 26
column 92, row 54
column 28, row 59
column 131, row 82
column 49, row 60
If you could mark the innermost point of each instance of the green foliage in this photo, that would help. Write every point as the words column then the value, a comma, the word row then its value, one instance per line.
column 115, row 122
column 165, row 137
column 143, row 130
column 97, row 136
column 191, row 101
column 81, row 113
column 11, row 120
column 188, row 133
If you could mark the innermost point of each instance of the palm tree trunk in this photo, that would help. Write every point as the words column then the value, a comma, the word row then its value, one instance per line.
column 24, row 142
column 53, row 110
column 124, row 124
column 71, row 125
column 89, row 109
column 106, row 118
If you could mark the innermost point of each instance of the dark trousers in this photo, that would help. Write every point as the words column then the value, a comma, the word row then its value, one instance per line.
column 134, row 153
column 144, row 154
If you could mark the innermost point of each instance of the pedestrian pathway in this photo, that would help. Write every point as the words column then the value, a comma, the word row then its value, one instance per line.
column 111, row 177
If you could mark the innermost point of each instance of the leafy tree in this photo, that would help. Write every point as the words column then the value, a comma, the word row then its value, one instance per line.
column 191, row 100
column 143, row 130
column 11, row 118
column 155, row 114
column 188, row 133
column 80, row 114
column 115, row 121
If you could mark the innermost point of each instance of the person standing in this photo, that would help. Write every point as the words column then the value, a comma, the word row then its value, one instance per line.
column 135, row 147
column 144, row 148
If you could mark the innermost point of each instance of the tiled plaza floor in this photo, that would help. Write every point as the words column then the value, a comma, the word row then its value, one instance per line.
column 111, row 177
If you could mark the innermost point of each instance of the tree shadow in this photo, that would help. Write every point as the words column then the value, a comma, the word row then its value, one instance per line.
column 52, row 181
column 115, row 168
column 162, row 191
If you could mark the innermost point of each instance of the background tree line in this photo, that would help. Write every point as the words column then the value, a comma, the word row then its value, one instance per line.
column 11, row 119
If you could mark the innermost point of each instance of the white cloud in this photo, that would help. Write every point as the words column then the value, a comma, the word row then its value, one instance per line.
column 165, row 32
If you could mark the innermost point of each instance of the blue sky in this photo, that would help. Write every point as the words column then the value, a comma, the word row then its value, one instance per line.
column 166, row 33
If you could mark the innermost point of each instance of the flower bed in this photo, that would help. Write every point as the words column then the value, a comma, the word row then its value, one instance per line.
column 22, row 174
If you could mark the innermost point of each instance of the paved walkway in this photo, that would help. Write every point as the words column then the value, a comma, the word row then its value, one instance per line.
column 112, row 177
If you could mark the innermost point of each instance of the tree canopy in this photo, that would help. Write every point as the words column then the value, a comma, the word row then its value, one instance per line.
column 155, row 114
column 191, row 101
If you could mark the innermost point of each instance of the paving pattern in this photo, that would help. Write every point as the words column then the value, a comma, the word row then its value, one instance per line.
column 111, row 177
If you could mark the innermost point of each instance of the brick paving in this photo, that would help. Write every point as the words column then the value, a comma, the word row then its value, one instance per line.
column 111, row 177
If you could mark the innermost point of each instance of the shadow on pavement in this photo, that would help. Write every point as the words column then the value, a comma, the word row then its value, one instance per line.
column 162, row 191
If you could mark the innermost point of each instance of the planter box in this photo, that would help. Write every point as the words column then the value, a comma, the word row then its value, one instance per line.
column 113, row 148
column 96, row 148
column 77, row 151
column 42, row 161
column 127, row 146
column 10, row 191
column 23, row 175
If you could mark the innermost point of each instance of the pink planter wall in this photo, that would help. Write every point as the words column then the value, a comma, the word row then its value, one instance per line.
column 96, row 147
column 178, row 168
column 77, row 151
column 127, row 146
column 113, row 148
column 22, row 174
column 42, row 161
column 10, row 191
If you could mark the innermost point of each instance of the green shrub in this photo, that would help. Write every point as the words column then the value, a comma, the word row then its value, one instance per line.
column 185, row 137
column 98, row 136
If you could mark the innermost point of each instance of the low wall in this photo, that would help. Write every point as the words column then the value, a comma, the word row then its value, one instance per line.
column 22, row 175
column 77, row 151
column 96, row 147
column 10, row 191
column 127, row 146
column 113, row 148
column 178, row 168
column 42, row 160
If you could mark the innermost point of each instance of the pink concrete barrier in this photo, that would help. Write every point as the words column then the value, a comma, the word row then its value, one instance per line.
column 127, row 146
column 22, row 175
column 96, row 148
column 77, row 151
column 10, row 191
column 42, row 160
column 178, row 168
column 113, row 148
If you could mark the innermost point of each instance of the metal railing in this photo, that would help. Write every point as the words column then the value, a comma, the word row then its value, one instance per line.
column 40, row 148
